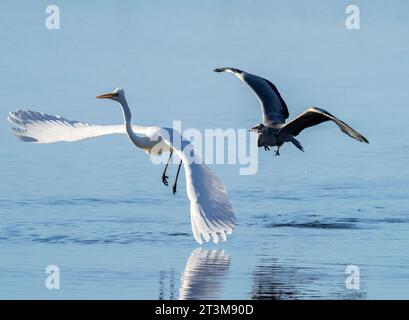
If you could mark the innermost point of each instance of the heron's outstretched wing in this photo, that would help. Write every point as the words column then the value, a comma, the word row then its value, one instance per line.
column 273, row 106
column 314, row 116
column 37, row 127
column 211, row 213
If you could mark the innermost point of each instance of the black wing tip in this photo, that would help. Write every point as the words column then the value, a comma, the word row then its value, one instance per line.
column 355, row 135
column 320, row 110
column 360, row 137
column 224, row 69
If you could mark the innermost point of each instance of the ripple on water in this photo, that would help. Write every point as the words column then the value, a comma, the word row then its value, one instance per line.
column 272, row 281
column 314, row 225
column 75, row 201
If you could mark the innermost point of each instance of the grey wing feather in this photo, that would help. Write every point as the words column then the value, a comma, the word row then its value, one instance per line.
column 314, row 116
column 273, row 106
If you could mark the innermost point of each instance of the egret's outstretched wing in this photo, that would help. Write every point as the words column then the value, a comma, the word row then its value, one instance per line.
column 314, row 116
column 211, row 213
column 273, row 106
column 37, row 127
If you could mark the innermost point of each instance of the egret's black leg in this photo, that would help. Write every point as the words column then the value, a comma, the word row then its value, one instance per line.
column 266, row 148
column 177, row 176
column 164, row 176
column 277, row 153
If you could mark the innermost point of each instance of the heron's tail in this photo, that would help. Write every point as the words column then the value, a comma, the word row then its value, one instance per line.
column 297, row 143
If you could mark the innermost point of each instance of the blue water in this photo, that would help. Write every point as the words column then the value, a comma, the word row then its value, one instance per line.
column 98, row 210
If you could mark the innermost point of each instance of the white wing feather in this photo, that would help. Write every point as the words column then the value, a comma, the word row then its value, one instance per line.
column 37, row 127
column 211, row 213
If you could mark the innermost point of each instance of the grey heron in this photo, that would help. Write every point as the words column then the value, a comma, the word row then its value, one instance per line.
column 274, row 131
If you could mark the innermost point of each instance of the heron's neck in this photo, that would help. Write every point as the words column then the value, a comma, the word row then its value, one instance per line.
column 140, row 142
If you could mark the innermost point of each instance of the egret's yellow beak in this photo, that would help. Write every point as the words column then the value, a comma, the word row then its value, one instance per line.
column 108, row 95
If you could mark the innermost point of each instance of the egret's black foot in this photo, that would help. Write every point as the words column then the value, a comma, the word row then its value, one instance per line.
column 277, row 153
column 266, row 148
column 174, row 189
column 165, row 180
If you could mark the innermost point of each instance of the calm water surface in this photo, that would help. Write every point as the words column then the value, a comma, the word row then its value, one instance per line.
column 98, row 209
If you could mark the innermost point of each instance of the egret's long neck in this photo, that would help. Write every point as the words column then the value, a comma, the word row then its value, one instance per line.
column 140, row 142
column 126, row 112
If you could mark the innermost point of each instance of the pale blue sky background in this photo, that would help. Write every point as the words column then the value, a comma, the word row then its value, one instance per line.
column 173, row 45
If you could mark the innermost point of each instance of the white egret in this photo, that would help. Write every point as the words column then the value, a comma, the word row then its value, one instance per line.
column 212, row 216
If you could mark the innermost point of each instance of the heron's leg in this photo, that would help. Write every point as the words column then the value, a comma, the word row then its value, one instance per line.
column 177, row 176
column 277, row 153
column 164, row 176
column 266, row 148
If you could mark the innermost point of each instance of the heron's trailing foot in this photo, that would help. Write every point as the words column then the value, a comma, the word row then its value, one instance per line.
column 266, row 148
column 174, row 188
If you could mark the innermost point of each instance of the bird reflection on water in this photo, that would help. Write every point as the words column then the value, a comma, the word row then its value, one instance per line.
column 202, row 278
column 165, row 277
column 276, row 281
column 204, row 274
column 272, row 281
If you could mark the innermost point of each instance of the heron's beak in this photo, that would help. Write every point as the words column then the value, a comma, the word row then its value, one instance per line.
column 107, row 95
